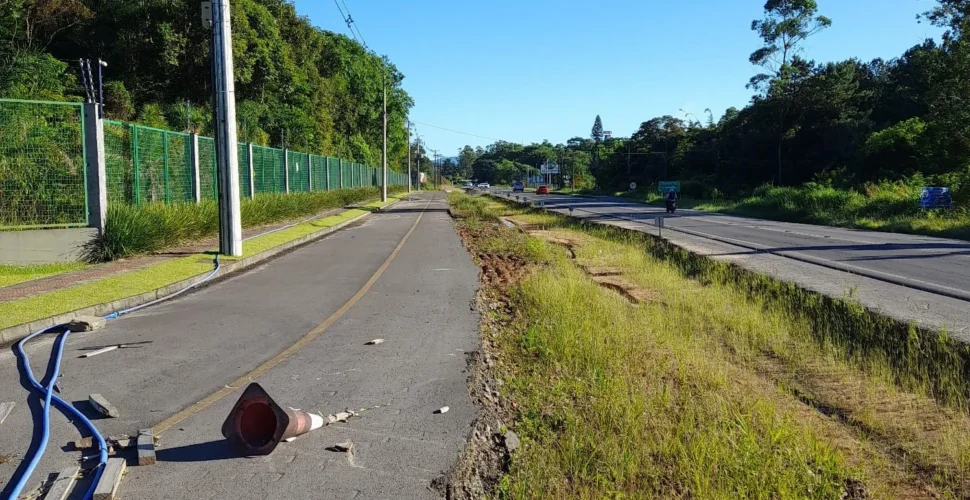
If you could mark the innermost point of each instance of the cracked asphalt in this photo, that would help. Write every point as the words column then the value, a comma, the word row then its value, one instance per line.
column 421, row 304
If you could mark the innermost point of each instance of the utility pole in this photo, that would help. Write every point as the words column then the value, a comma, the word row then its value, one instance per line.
column 384, row 156
column 409, row 155
column 434, row 169
column 224, row 114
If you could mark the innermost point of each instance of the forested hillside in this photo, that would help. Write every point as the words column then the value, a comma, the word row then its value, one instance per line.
column 317, row 90
column 845, row 124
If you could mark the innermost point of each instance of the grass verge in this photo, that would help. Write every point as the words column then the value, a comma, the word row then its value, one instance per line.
column 134, row 230
column 700, row 382
column 154, row 277
column 12, row 275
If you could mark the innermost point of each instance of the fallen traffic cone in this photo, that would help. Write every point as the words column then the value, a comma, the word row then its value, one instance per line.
column 256, row 424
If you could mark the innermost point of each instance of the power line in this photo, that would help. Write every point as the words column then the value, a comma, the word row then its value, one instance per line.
column 362, row 41
column 347, row 19
column 463, row 133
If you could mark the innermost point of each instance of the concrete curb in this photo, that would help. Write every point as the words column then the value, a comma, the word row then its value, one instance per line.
column 15, row 333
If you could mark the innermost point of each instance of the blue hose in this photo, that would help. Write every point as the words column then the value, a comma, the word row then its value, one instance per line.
column 118, row 314
column 49, row 398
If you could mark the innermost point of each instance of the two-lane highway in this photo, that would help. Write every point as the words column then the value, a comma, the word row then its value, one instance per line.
column 914, row 278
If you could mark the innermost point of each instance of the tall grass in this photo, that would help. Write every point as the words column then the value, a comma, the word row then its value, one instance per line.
column 671, row 398
column 619, row 401
column 132, row 230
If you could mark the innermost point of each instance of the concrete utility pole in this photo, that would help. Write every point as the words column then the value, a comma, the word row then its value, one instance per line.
column 224, row 114
column 384, row 160
column 434, row 169
column 409, row 155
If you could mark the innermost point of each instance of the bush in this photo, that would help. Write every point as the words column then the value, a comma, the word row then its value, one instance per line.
column 132, row 230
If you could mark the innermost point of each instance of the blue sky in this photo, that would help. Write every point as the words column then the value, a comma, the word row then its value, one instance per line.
column 528, row 70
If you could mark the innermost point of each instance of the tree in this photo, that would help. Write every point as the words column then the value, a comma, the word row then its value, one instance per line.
column 597, row 133
column 597, row 136
column 787, row 23
column 466, row 158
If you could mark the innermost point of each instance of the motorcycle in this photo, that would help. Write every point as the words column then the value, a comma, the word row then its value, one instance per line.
column 671, row 206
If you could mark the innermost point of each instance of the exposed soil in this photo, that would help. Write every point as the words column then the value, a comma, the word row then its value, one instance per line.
column 487, row 455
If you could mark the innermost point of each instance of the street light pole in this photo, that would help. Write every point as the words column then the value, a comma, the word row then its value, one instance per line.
column 409, row 155
column 384, row 156
column 224, row 111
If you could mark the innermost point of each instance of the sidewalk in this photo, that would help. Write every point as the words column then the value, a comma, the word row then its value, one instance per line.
column 103, row 288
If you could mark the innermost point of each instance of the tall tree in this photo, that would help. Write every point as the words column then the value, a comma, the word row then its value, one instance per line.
column 787, row 23
column 597, row 136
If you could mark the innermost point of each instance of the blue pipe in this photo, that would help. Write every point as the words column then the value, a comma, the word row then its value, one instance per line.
column 45, row 436
column 49, row 398
column 118, row 314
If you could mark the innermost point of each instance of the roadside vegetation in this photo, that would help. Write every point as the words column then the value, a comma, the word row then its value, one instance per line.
column 133, row 230
column 636, row 369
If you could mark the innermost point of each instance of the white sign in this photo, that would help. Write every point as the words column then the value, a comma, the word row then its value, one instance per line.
column 633, row 186
column 608, row 135
column 549, row 168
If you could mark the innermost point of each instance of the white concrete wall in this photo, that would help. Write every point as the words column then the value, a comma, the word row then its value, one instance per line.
column 40, row 246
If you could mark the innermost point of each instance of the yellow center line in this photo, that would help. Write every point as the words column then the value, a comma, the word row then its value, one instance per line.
column 261, row 370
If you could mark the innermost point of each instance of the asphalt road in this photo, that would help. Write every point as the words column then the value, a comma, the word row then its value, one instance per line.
column 209, row 338
column 915, row 278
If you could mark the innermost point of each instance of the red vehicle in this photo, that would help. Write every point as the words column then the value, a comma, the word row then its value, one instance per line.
column 542, row 190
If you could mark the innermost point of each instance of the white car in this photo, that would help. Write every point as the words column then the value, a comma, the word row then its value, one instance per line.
column 483, row 185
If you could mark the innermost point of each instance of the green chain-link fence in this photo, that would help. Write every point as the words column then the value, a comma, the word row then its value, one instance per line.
column 42, row 174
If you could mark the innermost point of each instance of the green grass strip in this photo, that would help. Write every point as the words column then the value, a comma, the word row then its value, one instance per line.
column 12, row 275
column 151, row 278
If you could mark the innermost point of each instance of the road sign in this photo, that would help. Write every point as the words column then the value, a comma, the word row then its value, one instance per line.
column 935, row 197
column 633, row 186
column 666, row 186
column 549, row 168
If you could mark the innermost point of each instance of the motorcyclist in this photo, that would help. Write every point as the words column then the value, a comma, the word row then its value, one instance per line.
column 671, row 199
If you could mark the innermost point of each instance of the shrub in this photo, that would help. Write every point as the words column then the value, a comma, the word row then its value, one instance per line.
column 132, row 230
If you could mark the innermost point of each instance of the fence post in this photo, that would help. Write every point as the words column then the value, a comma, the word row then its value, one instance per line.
column 196, row 184
column 327, row 172
column 252, row 176
column 136, row 177
column 340, row 172
column 286, row 170
column 309, row 172
column 95, row 165
column 168, row 193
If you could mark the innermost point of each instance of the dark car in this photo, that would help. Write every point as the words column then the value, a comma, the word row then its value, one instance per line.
column 542, row 190
column 518, row 187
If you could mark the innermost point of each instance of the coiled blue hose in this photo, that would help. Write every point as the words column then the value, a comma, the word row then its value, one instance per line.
column 49, row 398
